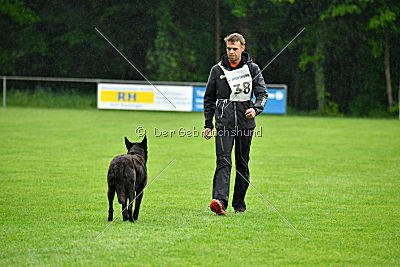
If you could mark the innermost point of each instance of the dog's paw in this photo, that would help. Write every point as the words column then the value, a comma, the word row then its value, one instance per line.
column 110, row 219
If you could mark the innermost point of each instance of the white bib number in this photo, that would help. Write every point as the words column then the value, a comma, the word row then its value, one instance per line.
column 240, row 82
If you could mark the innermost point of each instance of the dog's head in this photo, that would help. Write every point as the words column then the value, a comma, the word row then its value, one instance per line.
column 137, row 148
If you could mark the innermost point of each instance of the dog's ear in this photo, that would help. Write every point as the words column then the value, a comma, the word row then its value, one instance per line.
column 128, row 144
column 143, row 144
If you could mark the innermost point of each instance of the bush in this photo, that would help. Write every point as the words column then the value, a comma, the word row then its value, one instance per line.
column 45, row 97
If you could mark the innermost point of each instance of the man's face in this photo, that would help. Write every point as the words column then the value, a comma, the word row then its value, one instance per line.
column 234, row 51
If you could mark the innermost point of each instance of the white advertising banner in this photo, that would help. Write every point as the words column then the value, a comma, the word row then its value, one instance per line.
column 144, row 97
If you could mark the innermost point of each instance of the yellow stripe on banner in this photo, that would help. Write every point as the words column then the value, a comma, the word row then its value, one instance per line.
column 127, row 97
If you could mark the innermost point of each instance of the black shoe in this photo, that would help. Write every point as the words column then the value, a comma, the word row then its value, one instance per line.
column 240, row 210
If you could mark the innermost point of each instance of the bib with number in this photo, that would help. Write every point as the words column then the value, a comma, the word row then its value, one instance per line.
column 240, row 82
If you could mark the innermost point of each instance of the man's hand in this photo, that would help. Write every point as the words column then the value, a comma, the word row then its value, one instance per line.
column 207, row 131
column 250, row 113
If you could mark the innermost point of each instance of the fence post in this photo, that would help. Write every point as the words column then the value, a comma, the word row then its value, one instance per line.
column 4, row 91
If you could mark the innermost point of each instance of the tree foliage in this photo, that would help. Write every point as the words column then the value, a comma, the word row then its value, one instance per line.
column 339, row 65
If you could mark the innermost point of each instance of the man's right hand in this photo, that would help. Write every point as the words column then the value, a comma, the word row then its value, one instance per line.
column 207, row 131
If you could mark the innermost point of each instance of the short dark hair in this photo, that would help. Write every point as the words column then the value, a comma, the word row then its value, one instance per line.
column 235, row 37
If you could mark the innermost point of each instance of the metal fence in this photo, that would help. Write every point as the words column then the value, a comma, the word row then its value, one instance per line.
column 84, row 80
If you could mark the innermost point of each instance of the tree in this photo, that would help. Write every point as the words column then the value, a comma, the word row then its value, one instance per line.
column 22, row 38
column 181, row 49
column 384, row 20
column 240, row 11
column 217, row 31
column 382, row 15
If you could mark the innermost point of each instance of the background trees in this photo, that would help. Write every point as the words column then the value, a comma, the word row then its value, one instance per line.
column 345, row 62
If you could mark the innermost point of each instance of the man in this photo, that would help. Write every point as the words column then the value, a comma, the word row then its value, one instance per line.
column 228, row 95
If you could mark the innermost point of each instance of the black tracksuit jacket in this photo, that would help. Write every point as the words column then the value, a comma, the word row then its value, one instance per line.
column 218, row 89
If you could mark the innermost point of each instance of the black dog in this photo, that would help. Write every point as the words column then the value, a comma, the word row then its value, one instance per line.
column 127, row 174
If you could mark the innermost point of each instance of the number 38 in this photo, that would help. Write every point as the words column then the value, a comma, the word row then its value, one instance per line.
column 245, row 89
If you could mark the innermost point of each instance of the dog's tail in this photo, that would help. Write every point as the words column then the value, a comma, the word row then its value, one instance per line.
column 120, row 188
column 116, row 177
column 121, row 195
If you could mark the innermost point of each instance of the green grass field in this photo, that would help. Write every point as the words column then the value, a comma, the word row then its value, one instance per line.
column 336, row 180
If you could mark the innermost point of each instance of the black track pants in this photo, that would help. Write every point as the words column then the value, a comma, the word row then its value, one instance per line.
column 224, row 141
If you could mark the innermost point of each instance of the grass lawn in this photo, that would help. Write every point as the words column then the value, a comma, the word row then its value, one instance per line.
column 336, row 180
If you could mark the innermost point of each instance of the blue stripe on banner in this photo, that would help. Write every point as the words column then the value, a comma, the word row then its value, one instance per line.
column 276, row 103
column 198, row 98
